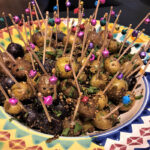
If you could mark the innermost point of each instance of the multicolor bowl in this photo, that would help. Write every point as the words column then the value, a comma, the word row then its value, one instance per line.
column 132, row 132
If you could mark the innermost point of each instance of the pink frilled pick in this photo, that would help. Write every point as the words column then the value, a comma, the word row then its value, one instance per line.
column 32, row 46
column 57, row 21
column 16, row 19
column 13, row 101
column 105, row 53
column 53, row 80
column 92, row 58
column 147, row 21
column 27, row 10
column 93, row 22
column 32, row 73
column 103, row 1
column 67, row 68
column 48, row 100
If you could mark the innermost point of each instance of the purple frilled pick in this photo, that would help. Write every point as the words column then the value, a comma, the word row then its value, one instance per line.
column 57, row 21
column 33, row 2
column 91, row 45
column 80, row 34
column 32, row 46
column 53, row 80
column 120, row 76
column 32, row 73
column 135, row 33
column 27, row 10
column 16, row 19
column 68, row 4
column 93, row 22
column 48, row 100
column 13, row 101
column 67, row 68
column 105, row 53
column 142, row 54
column 92, row 58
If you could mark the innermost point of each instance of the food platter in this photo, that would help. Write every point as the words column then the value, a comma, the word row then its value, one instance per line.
column 133, row 132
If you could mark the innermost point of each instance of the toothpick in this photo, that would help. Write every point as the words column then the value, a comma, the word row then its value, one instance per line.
column 8, row 72
column 125, row 39
column 130, row 45
column 6, row 23
column 86, row 48
column 39, row 10
column 50, row 38
column 96, row 11
column 68, row 36
column 31, row 16
column 16, row 27
column 24, row 25
column 114, row 25
column 8, row 54
column 57, row 3
column 45, row 37
column 139, row 79
column 55, row 85
column 28, row 19
column 67, row 18
column 109, row 84
column 44, row 107
column 38, row 61
column 85, row 63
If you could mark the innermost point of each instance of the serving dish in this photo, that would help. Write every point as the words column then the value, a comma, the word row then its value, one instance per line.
column 13, row 135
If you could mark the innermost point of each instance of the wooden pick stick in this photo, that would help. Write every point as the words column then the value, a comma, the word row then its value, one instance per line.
column 31, row 16
column 125, row 39
column 45, row 37
column 85, row 63
column 30, row 82
column 140, row 77
column 44, row 107
column 140, row 24
column 68, row 36
column 135, row 70
column 24, row 25
column 38, row 61
column 3, row 92
column 16, row 27
column 130, row 45
column 109, row 84
column 8, row 73
column 55, row 85
column 8, row 54
column 114, row 25
column 57, row 3
column 96, row 11
column 50, row 38
column 6, row 23
column 39, row 10
column 86, row 48
column 38, row 20
column 67, row 18
column 113, row 111
column 28, row 19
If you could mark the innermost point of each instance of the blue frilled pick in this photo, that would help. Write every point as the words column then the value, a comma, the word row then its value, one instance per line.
column 126, row 100
column 96, row 2
column 55, row 8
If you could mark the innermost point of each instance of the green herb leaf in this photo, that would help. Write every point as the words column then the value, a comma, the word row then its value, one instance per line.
column 77, row 128
column 57, row 113
column 65, row 131
column 138, row 97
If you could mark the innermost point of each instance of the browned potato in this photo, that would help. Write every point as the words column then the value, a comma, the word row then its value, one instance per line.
column 94, row 66
column 21, row 91
column 101, row 123
column 38, row 39
column 99, row 82
column 88, row 127
column 60, row 67
column 114, row 46
column 44, row 85
column 12, row 109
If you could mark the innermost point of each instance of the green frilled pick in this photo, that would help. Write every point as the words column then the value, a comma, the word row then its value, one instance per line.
column 1, row 19
column 103, row 22
column 51, row 22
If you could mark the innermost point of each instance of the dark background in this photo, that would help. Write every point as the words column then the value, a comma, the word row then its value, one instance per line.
column 132, row 10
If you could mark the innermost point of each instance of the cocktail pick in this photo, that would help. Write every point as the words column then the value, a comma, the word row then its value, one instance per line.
column 86, row 48
column 39, row 9
column 109, row 84
column 96, row 11
column 57, row 3
column 16, row 27
column 125, row 39
column 85, row 63
column 8, row 54
column 30, row 32
column 68, row 4
column 24, row 25
column 68, row 36
column 6, row 23
column 3, row 92
column 45, row 36
column 40, row 97
column 132, row 43
column 31, row 16
column 140, row 77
